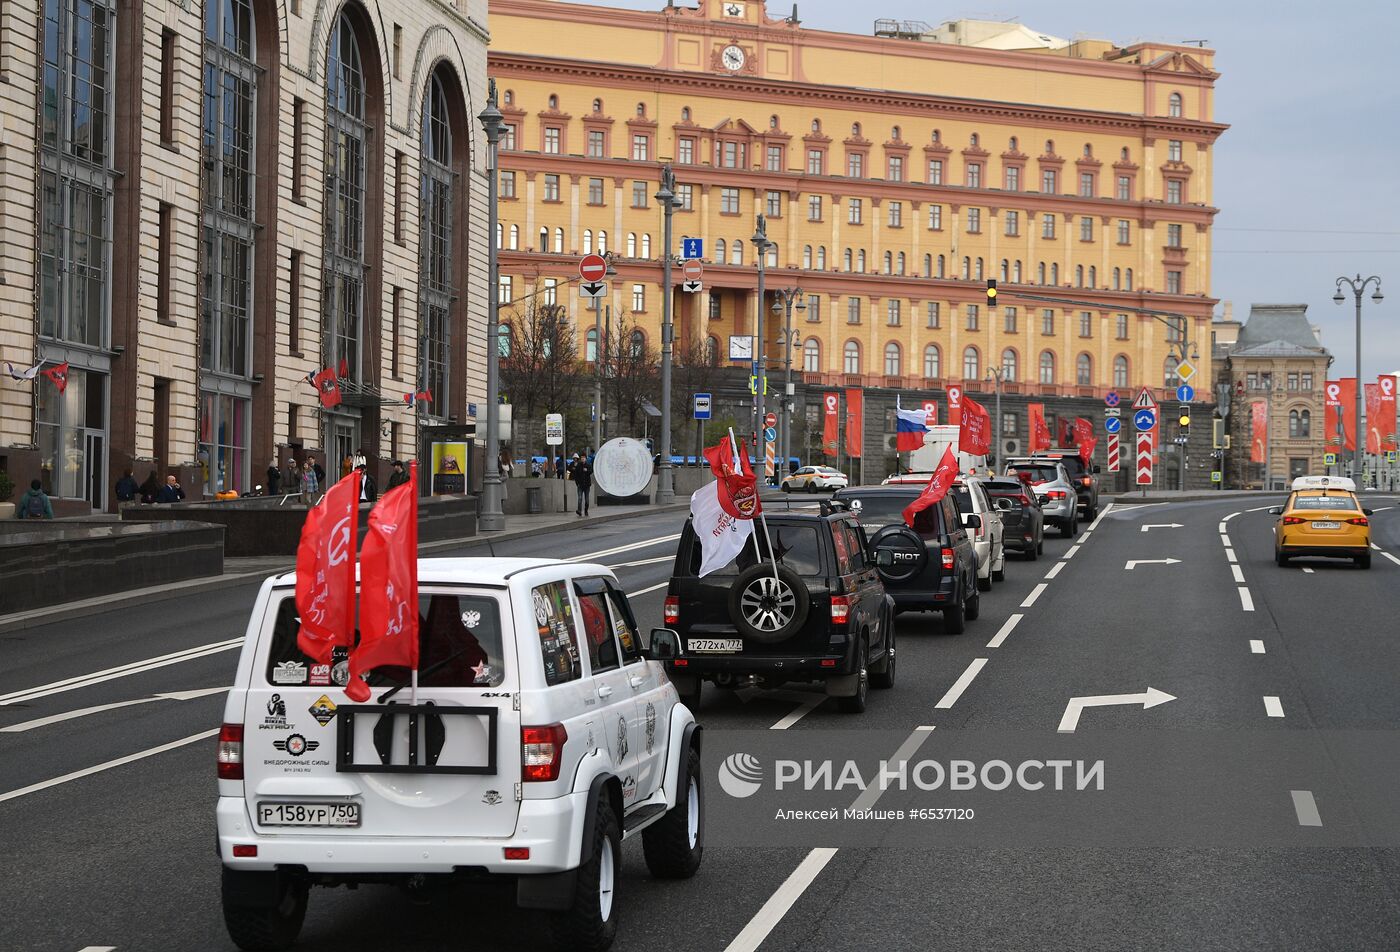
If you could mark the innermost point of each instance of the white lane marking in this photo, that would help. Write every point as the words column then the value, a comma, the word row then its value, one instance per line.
column 1134, row 563
column 1273, row 706
column 772, row 912
column 1259, row 509
column 1099, row 518
column 633, row 565
column 1055, row 570
column 643, row 544
column 1305, row 805
column 89, row 771
column 803, row 709
column 1224, row 538
column 1235, row 570
column 83, row 712
column 1305, row 570
column 1223, row 530
column 960, row 685
column 1391, row 557
column 1256, row 646
column 1084, row 536
column 121, row 671
column 651, row 589
column 1170, row 525
column 1069, row 553
column 1000, row 638
column 1228, row 518
column 1382, row 508
column 1376, row 547
column 1035, row 593
column 1246, row 600
column 1230, row 554
column 98, row 948
column 1141, row 505
column 1149, row 698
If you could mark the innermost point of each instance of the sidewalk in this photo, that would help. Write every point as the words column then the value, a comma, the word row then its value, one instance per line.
column 241, row 570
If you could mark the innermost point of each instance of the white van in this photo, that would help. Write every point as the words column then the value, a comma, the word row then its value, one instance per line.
column 543, row 736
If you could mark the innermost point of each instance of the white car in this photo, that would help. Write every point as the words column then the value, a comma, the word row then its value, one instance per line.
column 542, row 738
column 987, row 539
column 812, row 478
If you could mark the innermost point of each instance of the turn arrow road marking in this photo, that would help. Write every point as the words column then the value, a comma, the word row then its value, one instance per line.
column 1149, row 698
column 1134, row 563
column 1163, row 525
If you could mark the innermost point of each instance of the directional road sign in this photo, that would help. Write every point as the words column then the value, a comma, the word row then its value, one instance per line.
column 692, row 248
column 1112, row 411
column 1113, row 424
column 1145, row 420
column 770, row 419
column 690, row 287
column 593, row 289
column 592, row 268
column 770, row 434
column 1112, row 398
column 1144, row 399
column 692, row 270
column 1185, row 371
column 1185, row 393
column 702, row 406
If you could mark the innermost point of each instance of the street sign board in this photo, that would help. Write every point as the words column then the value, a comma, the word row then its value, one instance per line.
column 1390, row 456
column 1113, row 424
column 1112, row 453
column 690, row 287
column 554, row 429
column 770, row 434
column 692, row 269
column 1112, row 398
column 592, row 268
column 770, row 419
column 1145, row 441
column 692, row 248
column 593, row 289
column 1145, row 420
column 1185, row 393
column 1112, row 411
column 1329, row 459
column 1216, row 476
column 1144, row 399
column 1185, row 371
column 702, row 406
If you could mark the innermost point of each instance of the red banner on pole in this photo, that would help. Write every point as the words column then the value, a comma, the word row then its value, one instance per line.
column 1040, row 433
column 937, row 487
column 325, row 590
column 855, row 419
column 955, row 396
column 1385, row 416
column 1373, row 418
column 388, row 588
column 831, row 403
column 975, row 430
column 1259, row 430
column 1084, row 438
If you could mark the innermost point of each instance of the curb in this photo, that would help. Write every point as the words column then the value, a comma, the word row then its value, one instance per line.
column 147, row 596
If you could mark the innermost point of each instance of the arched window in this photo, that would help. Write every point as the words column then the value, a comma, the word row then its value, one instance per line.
column 975, row 140
column 1293, row 424
column 637, row 345
column 587, row 240
column 1305, row 424
column 500, row 234
column 631, row 244
column 1005, row 270
column 1093, row 276
column 1008, row 365
column 646, row 246
column 894, row 133
column 559, row 241
column 1016, row 272
column 553, row 101
column 928, row 266
column 514, row 238
column 889, row 265
column 1040, row 273
column 807, row 257
column 812, row 356
column 1011, row 144
column 543, row 246
column 1047, row 367
column 936, row 136
column 597, row 106
column 1120, row 371
column 852, row 358
column 892, row 361
column 602, row 242
column 1128, row 279
column 1079, row 276
column 711, row 351
column 1170, row 380
column 1117, row 279
column 816, row 125
column 1174, row 105
column 504, row 336
column 442, row 162
column 642, row 109
column 847, row 261
column 1125, row 153
column 1088, row 151
column 942, row 269
column 978, row 275
column 860, row 261
column 967, row 269
column 821, row 257
column 771, row 258
column 1049, row 146
column 1055, row 273
column 972, row 363
column 900, row 263
column 1084, row 370
column 736, row 251
column 720, row 249
column 933, row 362
column 685, row 114
column 772, row 122
column 855, row 130
column 509, row 98
column 590, row 345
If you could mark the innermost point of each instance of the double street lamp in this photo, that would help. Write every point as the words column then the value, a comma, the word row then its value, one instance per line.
column 1358, row 287
column 665, row 478
column 492, row 517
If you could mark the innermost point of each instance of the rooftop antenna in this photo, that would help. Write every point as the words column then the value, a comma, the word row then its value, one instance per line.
column 1198, row 43
column 793, row 19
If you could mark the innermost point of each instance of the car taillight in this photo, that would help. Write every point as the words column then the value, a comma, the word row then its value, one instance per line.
column 1057, row 494
column 1023, row 499
column 947, row 558
column 1358, row 521
column 541, row 750
column 672, row 611
column 231, row 752
column 840, row 609
column 1293, row 521
column 1087, row 481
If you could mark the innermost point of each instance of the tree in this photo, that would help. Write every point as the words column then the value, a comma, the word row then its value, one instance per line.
column 630, row 375
column 540, row 369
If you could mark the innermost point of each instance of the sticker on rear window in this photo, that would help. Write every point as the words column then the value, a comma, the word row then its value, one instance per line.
column 320, row 675
column 289, row 672
column 276, row 719
column 323, row 710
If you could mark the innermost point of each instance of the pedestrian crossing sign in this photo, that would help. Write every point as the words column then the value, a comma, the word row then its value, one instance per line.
column 1329, row 459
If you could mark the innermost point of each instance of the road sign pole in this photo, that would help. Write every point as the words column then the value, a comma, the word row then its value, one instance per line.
column 760, row 242
column 492, row 517
column 665, row 487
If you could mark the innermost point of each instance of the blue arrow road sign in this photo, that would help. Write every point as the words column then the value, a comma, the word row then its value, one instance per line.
column 1112, row 398
column 692, row 248
column 1185, row 393
column 770, row 433
column 702, row 406
column 1113, row 424
column 1144, row 419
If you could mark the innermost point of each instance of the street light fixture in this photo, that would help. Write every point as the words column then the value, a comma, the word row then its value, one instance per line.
column 1358, row 287
column 492, row 517
column 666, row 195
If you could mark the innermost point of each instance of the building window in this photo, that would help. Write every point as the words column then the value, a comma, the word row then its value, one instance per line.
column 933, row 315
column 1121, row 326
column 972, row 364
column 550, row 292
column 896, row 168
column 1047, row 181
column 437, row 288
column 814, row 310
column 639, row 194
column 551, row 188
column 933, row 362
column 816, row 162
column 596, row 143
column 1047, row 322
column 552, row 137
column 595, row 191
column 1047, row 225
column 854, row 215
column 1173, row 150
column 1086, row 184
column 853, row 310
column 812, row 356
column 514, row 237
column 1013, row 178
column 1128, row 279
column 821, row 257
column 1174, row 105
column 736, row 252
column 1008, row 365
column 637, row 345
column 775, row 158
column 1013, row 224
column 892, row 361
column 1292, row 380
column 1120, row 371
column 639, row 297
column 631, row 244
column 1084, row 370
column 1008, row 320
column 641, row 148
column 1173, row 282
column 896, row 214
column 935, row 171
column 974, row 314
column 1124, row 231
column 1173, row 191
column 507, row 185
column 729, row 201
column 814, row 208
column 715, row 307
column 167, row 86
column 685, row 151
column 967, row 269
column 851, row 363
column 684, row 195
column 974, row 221
column 1306, row 381
column 507, row 289
column 935, row 218
column 1173, row 236
column 1125, row 188
column 773, row 204
column 1086, row 229
column 165, row 238
column 892, row 312
column 1047, row 367
column 855, row 165
column 1170, row 379
column 974, row 175
column 730, row 155
column 1086, row 323
column 942, row 266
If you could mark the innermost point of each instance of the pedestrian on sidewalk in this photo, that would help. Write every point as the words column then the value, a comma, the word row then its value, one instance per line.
column 581, row 472
column 34, row 504
column 398, row 477
column 368, row 491
column 274, row 478
column 171, row 492
column 150, row 489
column 127, row 488
column 317, row 469
column 310, row 485
column 291, row 476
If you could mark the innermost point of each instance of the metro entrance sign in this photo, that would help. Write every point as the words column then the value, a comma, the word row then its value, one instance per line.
column 1145, row 419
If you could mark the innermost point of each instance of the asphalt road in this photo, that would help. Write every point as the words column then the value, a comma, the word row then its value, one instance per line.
column 121, row 856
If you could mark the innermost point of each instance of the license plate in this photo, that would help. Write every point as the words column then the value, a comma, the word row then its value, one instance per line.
column 714, row 644
column 308, row 814
column 1326, row 525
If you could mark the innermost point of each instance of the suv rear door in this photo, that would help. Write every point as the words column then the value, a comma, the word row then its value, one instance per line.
column 621, row 720
column 296, row 714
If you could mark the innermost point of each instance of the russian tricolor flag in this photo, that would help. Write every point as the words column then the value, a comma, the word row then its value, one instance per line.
column 909, row 427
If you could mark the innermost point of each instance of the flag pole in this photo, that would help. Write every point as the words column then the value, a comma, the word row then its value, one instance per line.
column 762, row 518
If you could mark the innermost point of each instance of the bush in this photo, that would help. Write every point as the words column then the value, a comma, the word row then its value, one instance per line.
column 7, row 486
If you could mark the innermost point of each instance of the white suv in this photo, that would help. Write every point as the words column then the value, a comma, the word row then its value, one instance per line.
column 987, row 538
column 543, row 736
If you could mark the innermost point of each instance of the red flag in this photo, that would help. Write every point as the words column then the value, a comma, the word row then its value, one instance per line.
column 937, row 488
column 1084, row 438
column 855, row 423
column 343, row 369
column 1385, row 416
column 1066, row 434
column 975, row 430
column 59, row 376
column 388, row 587
column 738, row 486
column 831, row 402
column 1259, row 425
column 1347, row 409
column 327, row 387
column 325, row 593
column 1040, row 433
column 954, row 405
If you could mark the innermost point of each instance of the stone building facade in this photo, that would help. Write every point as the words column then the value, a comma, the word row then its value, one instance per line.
column 207, row 201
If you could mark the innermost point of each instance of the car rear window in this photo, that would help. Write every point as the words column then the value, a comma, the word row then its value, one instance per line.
column 963, row 497
column 1324, row 502
column 797, row 547
column 878, row 510
column 459, row 646
column 1038, row 474
column 1074, row 466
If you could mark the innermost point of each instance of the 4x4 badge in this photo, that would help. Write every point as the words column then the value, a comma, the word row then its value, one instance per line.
column 323, row 710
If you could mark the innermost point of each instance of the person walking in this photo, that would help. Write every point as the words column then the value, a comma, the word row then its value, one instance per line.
column 34, row 504
column 291, row 476
column 127, row 488
column 310, row 484
column 368, row 491
column 171, row 491
column 398, row 477
column 581, row 472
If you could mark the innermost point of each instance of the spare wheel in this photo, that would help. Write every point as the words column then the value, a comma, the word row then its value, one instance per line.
column 910, row 552
column 765, row 608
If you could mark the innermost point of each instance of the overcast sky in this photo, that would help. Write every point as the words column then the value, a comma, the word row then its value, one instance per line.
column 1307, row 177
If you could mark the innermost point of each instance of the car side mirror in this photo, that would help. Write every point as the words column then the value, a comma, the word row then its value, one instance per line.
column 1365, row 511
column 1276, row 511
column 665, row 645
column 1096, row 470
column 972, row 521
column 884, row 558
column 1003, row 504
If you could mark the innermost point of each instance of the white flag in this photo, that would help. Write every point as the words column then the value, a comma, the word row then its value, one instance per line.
column 721, row 535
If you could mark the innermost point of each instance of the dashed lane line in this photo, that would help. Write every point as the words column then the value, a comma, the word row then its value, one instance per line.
column 1223, row 530
column 1235, row 570
column 1006, row 628
column 1391, row 557
column 1055, row 570
column 1035, row 593
column 1273, row 706
column 1246, row 600
column 1230, row 554
column 1305, row 805
column 1256, row 646
column 801, row 711
column 1069, row 553
column 1307, row 571
column 960, row 685
column 89, row 771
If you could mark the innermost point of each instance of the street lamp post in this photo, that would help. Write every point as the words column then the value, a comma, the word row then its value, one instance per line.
column 492, row 517
column 996, row 373
column 1358, row 287
column 599, row 352
column 760, row 373
column 666, row 195
column 786, row 299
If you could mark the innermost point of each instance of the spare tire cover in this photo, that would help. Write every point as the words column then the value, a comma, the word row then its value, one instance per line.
column 910, row 552
column 783, row 615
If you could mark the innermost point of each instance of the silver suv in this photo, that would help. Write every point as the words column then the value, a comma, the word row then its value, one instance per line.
column 987, row 535
column 1053, row 490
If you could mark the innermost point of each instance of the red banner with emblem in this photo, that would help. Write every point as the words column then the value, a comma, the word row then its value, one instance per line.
column 1039, row 432
column 388, row 588
column 975, row 430
column 325, row 589
column 831, row 404
column 1259, row 430
column 1385, row 414
column 1084, row 439
column 855, row 422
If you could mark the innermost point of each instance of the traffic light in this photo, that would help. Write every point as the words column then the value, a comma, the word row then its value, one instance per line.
column 1217, row 433
column 991, row 292
column 1183, row 417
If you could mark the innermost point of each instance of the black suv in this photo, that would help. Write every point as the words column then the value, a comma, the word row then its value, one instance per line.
column 933, row 566
column 824, row 615
column 1021, row 516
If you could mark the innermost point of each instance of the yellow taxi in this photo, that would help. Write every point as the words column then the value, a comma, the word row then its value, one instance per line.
column 812, row 478
column 1323, row 517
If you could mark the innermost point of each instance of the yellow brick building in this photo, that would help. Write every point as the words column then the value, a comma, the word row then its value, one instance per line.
column 896, row 176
